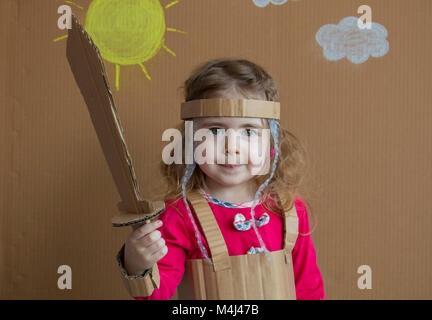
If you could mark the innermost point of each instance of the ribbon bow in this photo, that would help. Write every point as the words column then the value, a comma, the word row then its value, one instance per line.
column 241, row 224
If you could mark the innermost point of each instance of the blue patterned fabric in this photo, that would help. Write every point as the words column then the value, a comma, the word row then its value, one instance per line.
column 226, row 204
column 241, row 224
column 255, row 250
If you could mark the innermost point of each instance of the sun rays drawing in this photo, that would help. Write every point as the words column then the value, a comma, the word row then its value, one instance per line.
column 127, row 32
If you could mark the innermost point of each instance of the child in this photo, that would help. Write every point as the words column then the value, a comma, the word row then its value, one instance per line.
column 230, row 191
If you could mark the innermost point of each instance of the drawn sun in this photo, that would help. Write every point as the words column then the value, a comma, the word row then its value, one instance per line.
column 127, row 32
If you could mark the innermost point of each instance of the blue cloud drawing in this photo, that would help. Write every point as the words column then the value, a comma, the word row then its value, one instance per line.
column 347, row 39
column 264, row 3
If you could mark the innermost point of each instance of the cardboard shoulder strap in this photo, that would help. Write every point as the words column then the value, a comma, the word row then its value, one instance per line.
column 290, row 228
column 212, row 233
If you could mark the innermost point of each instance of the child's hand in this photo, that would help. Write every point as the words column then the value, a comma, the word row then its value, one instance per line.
column 143, row 248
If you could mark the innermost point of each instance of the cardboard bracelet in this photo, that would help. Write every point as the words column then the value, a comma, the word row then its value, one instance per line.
column 218, row 107
column 89, row 72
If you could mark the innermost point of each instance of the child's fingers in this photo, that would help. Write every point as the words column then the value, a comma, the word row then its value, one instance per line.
column 159, row 254
column 156, row 246
column 149, row 239
column 144, row 230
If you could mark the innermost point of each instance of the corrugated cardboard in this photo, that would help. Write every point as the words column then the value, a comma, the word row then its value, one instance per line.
column 88, row 69
column 230, row 108
column 262, row 276
column 366, row 126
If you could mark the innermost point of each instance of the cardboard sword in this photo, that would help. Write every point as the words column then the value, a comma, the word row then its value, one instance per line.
column 89, row 72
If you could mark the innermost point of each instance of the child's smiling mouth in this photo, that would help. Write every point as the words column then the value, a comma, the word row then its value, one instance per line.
column 230, row 166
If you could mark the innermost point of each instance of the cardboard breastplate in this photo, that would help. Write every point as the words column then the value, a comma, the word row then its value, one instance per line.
column 248, row 276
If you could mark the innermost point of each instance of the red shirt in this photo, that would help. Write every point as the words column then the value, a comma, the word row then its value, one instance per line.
column 179, row 234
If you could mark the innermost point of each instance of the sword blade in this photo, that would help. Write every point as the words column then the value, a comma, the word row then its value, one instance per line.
column 89, row 72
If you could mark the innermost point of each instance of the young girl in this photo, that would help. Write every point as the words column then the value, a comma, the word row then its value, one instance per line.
column 248, row 208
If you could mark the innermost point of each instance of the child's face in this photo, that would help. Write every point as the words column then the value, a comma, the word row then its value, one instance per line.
column 234, row 141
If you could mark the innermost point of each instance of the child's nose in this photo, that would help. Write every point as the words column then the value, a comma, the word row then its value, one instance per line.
column 233, row 150
column 231, row 144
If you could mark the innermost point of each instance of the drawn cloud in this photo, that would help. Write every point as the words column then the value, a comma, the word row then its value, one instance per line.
column 347, row 39
column 264, row 3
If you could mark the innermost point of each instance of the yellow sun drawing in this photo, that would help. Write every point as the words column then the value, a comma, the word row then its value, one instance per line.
column 127, row 32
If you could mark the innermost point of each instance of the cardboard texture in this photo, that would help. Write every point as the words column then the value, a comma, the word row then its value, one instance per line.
column 87, row 67
column 366, row 127
column 271, row 279
column 242, row 277
column 138, row 286
column 230, row 108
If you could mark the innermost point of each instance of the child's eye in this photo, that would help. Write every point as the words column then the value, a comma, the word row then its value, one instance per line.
column 216, row 131
column 249, row 132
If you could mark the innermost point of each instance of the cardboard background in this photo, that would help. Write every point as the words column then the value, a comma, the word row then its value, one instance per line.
column 366, row 126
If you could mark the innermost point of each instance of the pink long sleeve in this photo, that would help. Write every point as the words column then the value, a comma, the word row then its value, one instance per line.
column 308, row 280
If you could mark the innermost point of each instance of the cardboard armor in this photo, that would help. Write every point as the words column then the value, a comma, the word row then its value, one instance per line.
column 242, row 277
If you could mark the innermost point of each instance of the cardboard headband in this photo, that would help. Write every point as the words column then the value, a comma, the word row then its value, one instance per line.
column 218, row 107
